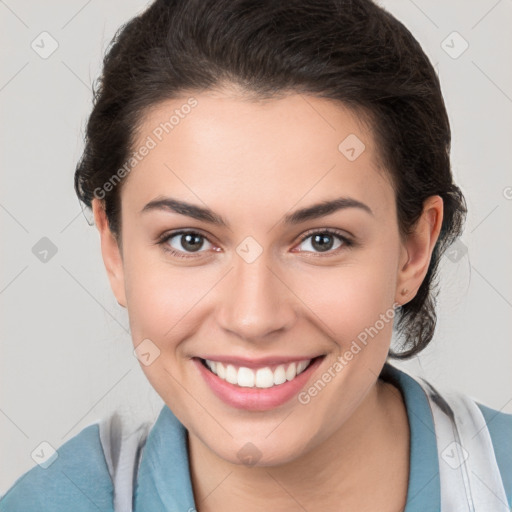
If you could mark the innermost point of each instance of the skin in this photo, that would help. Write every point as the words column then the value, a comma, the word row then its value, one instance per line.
column 252, row 162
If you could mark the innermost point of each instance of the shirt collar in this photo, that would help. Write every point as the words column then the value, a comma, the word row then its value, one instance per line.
column 163, row 481
column 424, row 488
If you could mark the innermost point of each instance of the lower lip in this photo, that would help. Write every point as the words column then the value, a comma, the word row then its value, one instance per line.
column 256, row 399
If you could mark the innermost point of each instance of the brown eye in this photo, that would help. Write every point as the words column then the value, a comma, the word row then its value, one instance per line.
column 324, row 241
column 184, row 242
column 190, row 241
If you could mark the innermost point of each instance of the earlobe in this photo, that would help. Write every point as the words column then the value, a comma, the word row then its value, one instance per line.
column 418, row 249
column 110, row 252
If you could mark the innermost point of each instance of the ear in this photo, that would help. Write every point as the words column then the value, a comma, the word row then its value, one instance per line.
column 111, row 253
column 417, row 250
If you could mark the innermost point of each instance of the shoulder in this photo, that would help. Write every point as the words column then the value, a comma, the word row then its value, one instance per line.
column 75, row 478
column 500, row 430
column 489, row 432
column 422, row 399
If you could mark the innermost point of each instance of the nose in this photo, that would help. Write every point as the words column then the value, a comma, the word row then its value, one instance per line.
column 255, row 301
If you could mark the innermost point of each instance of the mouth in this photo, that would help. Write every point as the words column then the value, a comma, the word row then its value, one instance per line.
column 259, row 388
column 262, row 377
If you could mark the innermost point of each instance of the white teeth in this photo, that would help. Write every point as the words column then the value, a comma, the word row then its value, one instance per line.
column 291, row 371
column 301, row 366
column 279, row 375
column 260, row 378
column 264, row 378
column 245, row 377
column 221, row 370
column 231, row 374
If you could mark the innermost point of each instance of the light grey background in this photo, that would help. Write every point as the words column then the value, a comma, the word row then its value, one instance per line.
column 66, row 353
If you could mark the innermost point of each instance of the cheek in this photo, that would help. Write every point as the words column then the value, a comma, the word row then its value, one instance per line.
column 347, row 299
column 161, row 299
column 164, row 305
column 166, row 302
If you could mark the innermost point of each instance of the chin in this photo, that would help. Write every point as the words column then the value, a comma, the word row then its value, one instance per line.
column 252, row 451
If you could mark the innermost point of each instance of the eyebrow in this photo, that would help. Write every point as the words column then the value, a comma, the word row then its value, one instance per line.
column 206, row 215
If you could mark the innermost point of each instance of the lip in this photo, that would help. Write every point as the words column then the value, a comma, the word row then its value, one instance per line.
column 254, row 363
column 256, row 399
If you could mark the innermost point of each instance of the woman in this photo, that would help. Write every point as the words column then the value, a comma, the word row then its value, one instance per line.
column 271, row 183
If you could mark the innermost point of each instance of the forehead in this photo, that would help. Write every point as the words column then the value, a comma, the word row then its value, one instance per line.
column 220, row 147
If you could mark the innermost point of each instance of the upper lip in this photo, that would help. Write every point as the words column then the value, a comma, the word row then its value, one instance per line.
column 258, row 363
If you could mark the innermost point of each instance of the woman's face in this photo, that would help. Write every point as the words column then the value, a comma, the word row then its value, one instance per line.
column 258, row 277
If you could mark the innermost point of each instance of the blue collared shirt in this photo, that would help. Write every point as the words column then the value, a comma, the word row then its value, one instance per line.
column 79, row 480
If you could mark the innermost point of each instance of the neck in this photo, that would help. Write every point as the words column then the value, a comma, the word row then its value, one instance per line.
column 364, row 465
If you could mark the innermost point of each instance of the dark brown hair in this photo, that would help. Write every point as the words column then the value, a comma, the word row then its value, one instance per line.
column 351, row 51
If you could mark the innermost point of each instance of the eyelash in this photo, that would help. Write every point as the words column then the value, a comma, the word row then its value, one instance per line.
column 347, row 243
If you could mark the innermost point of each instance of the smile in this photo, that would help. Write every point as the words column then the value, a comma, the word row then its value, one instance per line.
column 265, row 377
column 256, row 385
